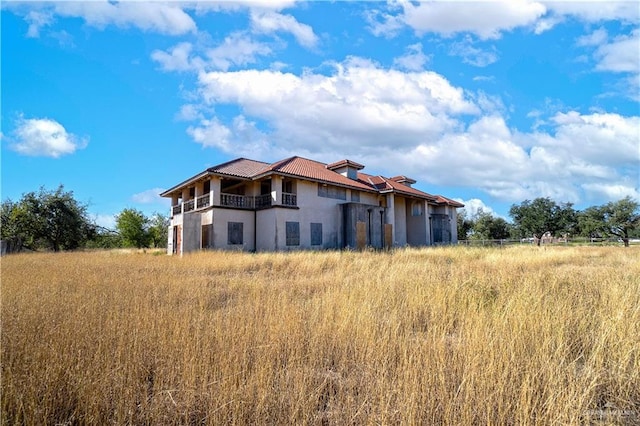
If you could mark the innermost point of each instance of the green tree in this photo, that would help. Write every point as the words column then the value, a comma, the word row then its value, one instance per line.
column 47, row 219
column 133, row 227
column 617, row 218
column 465, row 225
column 159, row 230
column 542, row 215
column 488, row 227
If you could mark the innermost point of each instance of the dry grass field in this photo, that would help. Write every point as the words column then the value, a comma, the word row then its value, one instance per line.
column 520, row 335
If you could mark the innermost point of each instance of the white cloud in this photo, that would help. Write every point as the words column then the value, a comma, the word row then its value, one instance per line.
column 596, row 38
column 596, row 10
column 236, row 50
column 178, row 58
column 189, row 112
column 268, row 22
column 414, row 59
column 149, row 196
column 211, row 133
column 485, row 19
column 358, row 102
column 473, row 55
column 164, row 18
column 44, row 137
column 384, row 117
column 621, row 55
column 37, row 19
column 489, row 20
column 474, row 205
column 604, row 192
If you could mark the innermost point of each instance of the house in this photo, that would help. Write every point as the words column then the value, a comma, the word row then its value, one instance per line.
column 297, row 203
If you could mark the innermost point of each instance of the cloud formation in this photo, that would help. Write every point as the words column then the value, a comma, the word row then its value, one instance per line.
column 383, row 117
column 43, row 137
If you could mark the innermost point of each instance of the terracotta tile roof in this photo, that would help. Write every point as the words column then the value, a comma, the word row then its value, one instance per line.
column 384, row 184
column 444, row 200
column 343, row 163
column 314, row 170
column 240, row 167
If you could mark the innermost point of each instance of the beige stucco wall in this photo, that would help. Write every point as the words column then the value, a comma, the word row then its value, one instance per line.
column 400, row 223
column 221, row 218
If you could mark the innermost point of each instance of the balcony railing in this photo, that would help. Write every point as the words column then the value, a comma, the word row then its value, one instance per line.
column 289, row 199
column 238, row 201
column 234, row 200
column 262, row 201
column 203, row 201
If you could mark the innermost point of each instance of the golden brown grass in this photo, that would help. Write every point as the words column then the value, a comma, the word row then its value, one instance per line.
column 435, row 336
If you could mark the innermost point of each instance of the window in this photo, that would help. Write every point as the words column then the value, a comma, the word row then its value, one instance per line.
column 293, row 233
column 416, row 208
column 234, row 233
column 287, row 186
column 355, row 195
column 316, row 234
column 328, row 191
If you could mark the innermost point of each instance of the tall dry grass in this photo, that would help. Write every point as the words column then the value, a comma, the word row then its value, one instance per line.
column 435, row 336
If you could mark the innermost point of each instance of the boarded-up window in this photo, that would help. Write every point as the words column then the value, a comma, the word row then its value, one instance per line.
column 206, row 236
column 293, row 233
column 328, row 191
column 234, row 233
column 316, row 234
column 355, row 196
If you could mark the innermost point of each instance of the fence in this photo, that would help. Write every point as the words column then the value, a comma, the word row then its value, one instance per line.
column 549, row 242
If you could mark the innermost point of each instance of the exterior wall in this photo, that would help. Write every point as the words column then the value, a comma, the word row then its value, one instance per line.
column 416, row 225
column 266, row 237
column 265, row 230
column 221, row 218
column 312, row 209
column 374, row 218
column 191, row 231
column 400, row 223
column 453, row 214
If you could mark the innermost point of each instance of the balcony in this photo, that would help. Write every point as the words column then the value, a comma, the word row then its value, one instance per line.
column 203, row 201
column 245, row 202
column 289, row 199
column 237, row 201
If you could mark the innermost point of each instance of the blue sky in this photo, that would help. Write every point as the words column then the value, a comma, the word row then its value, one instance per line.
column 490, row 103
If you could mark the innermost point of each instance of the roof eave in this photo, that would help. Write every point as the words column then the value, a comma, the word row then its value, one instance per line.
column 192, row 179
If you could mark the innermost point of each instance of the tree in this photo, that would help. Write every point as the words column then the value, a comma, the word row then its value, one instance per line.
column 617, row 218
column 543, row 215
column 465, row 225
column 133, row 227
column 159, row 230
column 488, row 227
column 47, row 219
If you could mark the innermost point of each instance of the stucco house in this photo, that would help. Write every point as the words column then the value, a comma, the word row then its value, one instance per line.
column 297, row 203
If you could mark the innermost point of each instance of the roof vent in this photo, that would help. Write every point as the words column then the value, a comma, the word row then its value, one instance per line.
column 346, row 168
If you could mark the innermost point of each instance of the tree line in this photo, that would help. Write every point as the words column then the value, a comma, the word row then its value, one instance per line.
column 543, row 216
column 55, row 220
